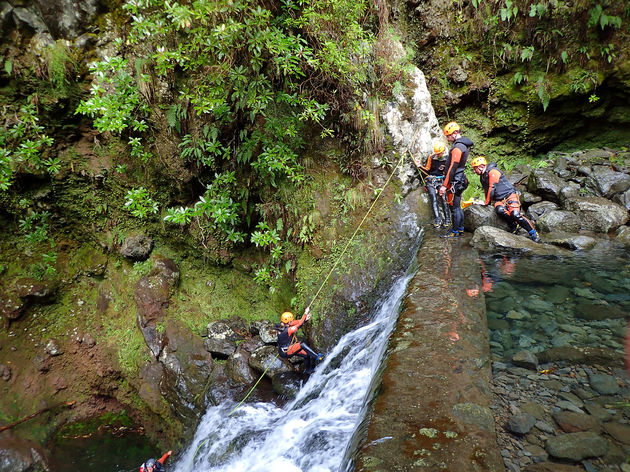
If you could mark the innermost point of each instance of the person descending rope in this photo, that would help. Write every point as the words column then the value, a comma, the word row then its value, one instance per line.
column 153, row 465
column 502, row 194
column 288, row 343
column 434, row 172
column 455, row 181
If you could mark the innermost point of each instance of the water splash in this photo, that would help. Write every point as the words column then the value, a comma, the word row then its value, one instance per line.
column 312, row 432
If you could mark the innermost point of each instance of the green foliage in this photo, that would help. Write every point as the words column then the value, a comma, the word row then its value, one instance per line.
column 139, row 203
column 204, row 149
column 596, row 16
column 115, row 102
column 35, row 228
column 216, row 206
column 22, row 142
column 60, row 65
column 176, row 115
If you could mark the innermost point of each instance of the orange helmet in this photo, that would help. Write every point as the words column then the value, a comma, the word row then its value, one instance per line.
column 479, row 161
column 450, row 128
column 438, row 148
column 287, row 317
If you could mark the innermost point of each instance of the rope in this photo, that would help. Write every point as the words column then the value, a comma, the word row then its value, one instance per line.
column 318, row 291
column 329, row 272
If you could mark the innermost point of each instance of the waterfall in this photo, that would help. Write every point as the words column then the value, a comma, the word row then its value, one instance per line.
column 312, row 432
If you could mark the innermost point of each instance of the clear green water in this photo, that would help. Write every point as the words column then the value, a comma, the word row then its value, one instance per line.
column 102, row 452
column 537, row 304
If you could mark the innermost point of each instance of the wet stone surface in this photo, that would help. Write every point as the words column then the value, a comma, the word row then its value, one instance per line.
column 561, row 395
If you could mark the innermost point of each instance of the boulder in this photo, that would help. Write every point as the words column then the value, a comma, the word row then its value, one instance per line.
column 619, row 431
column 53, row 348
column 623, row 199
column 237, row 367
column 268, row 333
column 597, row 214
column 622, row 235
column 187, row 371
column 137, row 247
column 34, row 290
column 489, row 239
column 68, row 18
column 221, row 339
column 529, row 198
column 581, row 355
column 570, row 240
column 577, row 446
column 266, row 359
column 570, row 190
column 6, row 18
column 11, row 306
column 545, row 183
column 558, row 220
column 5, row 372
column 609, row 182
column 537, row 210
column 27, row 19
column 476, row 216
column 20, row 455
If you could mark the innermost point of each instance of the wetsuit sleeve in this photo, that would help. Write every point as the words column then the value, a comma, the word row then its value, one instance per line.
column 427, row 167
column 163, row 458
column 493, row 177
column 456, row 156
column 295, row 325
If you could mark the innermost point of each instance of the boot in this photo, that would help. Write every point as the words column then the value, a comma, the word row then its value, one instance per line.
column 437, row 223
column 533, row 235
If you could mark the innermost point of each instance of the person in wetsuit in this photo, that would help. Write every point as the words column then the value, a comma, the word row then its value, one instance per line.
column 433, row 176
column 153, row 465
column 502, row 194
column 455, row 181
column 288, row 343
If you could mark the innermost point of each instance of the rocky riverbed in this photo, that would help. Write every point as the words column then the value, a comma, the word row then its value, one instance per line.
column 561, row 397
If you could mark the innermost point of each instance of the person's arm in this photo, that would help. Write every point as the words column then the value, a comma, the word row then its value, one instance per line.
column 493, row 177
column 295, row 325
column 427, row 167
column 456, row 157
column 164, row 457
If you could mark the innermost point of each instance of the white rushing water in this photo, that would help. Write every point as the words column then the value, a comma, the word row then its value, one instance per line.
column 312, row 432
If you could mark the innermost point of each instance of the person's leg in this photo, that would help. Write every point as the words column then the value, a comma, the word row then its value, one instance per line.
column 503, row 213
column 514, row 207
column 433, row 196
column 447, row 212
column 458, row 213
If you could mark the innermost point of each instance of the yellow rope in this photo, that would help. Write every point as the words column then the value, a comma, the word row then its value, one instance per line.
column 320, row 288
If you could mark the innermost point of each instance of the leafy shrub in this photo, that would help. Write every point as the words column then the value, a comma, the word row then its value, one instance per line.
column 22, row 142
column 139, row 203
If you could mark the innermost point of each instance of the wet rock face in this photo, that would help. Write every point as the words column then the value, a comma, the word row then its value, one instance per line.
column 151, row 295
column 18, row 455
column 265, row 358
column 187, row 371
column 69, row 18
column 558, row 220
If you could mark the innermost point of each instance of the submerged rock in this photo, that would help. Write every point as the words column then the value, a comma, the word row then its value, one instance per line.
column 525, row 359
column 521, row 423
column 577, row 446
column 288, row 384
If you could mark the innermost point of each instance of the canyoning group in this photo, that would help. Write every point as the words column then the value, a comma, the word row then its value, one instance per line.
column 445, row 181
